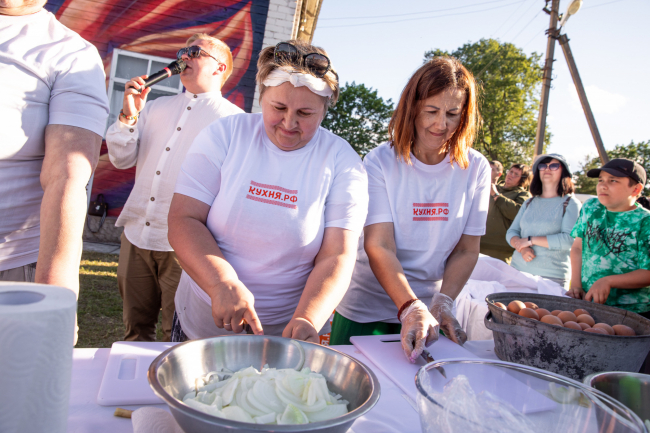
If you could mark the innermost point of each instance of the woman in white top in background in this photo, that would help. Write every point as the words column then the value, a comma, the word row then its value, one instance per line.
column 268, row 209
column 429, row 195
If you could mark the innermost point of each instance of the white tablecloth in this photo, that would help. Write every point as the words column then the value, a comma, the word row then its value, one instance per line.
column 393, row 413
column 491, row 275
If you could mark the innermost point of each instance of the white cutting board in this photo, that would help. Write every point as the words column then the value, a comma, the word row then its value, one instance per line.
column 125, row 378
column 385, row 351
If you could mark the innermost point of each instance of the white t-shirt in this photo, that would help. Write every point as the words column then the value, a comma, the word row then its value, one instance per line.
column 431, row 206
column 49, row 75
column 157, row 145
column 269, row 208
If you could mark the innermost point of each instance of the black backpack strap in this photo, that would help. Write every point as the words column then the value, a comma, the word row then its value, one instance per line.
column 528, row 202
column 565, row 204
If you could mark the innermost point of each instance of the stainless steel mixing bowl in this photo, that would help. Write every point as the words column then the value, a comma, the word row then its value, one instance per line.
column 172, row 375
column 631, row 389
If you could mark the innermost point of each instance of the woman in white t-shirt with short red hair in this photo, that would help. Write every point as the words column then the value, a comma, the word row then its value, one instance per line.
column 429, row 195
column 268, row 209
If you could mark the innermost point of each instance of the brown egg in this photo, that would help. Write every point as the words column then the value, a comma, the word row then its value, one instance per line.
column 596, row 331
column 556, row 312
column 572, row 325
column 515, row 306
column 584, row 326
column 529, row 312
column 580, row 311
column 567, row 316
column 500, row 305
column 531, row 305
column 586, row 318
column 551, row 320
column 623, row 330
column 605, row 327
column 541, row 312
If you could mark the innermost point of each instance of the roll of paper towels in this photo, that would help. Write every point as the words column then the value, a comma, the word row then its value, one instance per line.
column 37, row 324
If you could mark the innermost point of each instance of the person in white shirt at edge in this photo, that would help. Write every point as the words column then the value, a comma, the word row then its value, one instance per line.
column 155, row 138
column 54, row 110
column 268, row 209
column 429, row 195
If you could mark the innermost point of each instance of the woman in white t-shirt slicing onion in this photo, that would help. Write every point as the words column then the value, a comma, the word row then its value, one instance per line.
column 268, row 209
column 429, row 195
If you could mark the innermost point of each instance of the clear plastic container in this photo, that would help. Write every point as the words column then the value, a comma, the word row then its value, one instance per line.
column 471, row 395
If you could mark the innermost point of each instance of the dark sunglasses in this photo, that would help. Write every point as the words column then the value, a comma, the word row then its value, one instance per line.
column 553, row 167
column 193, row 52
column 318, row 64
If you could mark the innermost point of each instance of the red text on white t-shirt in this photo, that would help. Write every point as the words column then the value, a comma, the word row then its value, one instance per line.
column 430, row 211
column 272, row 194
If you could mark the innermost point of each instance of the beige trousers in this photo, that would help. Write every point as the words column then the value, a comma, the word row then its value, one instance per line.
column 22, row 274
column 147, row 281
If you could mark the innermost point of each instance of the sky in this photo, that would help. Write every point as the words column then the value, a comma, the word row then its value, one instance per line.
column 379, row 44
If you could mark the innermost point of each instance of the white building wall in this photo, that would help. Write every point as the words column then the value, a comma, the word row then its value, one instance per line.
column 281, row 25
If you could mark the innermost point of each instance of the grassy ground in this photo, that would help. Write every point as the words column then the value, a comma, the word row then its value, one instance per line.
column 100, row 305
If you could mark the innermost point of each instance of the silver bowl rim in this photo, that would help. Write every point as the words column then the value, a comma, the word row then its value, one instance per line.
column 176, row 404
column 525, row 368
column 589, row 378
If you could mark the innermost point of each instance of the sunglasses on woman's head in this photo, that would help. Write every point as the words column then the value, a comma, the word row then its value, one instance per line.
column 193, row 52
column 553, row 166
column 316, row 63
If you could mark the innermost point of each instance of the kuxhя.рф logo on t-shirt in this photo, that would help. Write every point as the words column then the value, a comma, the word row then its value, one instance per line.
column 272, row 194
column 430, row 211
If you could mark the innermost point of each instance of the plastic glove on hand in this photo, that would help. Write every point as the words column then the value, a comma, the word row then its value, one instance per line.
column 419, row 329
column 441, row 310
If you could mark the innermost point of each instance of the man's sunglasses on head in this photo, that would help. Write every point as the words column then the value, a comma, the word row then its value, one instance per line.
column 316, row 63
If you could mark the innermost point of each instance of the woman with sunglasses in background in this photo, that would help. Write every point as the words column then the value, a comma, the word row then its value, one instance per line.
column 429, row 193
column 268, row 209
column 540, row 233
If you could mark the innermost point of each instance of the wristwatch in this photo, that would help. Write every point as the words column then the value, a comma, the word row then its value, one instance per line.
column 530, row 240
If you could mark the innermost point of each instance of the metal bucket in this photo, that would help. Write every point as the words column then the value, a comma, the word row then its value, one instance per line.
column 631, row 389
column 565, row 351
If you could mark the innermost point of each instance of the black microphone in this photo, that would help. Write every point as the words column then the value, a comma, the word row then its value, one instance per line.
column 174, row 68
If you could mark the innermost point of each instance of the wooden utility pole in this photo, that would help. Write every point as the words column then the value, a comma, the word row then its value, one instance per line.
column 546, row 84
column 564, row 43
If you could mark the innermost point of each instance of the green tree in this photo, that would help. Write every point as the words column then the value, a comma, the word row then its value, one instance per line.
column 509, row 99
column 360, row 117
column 639, row 152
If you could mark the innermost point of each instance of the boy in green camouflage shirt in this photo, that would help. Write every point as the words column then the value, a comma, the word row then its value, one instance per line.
column 610, row 257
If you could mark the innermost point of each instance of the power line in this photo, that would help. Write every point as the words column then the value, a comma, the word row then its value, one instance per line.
column 526, row 26
column 519, row 19
column 422, row 18
column 412, row 13
column 587, row 7
column 496, row 55
column 532, row 39
column 507, row 19
column 602, row 4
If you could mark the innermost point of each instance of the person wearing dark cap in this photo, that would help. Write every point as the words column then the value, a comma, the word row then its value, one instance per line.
column 541, row 231
column 610, row 256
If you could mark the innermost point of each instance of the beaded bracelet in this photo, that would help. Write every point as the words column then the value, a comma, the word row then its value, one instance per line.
column 128, row 117
column 404, row 306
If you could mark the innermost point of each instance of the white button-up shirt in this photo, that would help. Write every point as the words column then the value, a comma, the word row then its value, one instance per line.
column 157, row 145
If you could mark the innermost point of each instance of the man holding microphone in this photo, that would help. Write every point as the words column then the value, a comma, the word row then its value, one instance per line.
column 155, row 137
